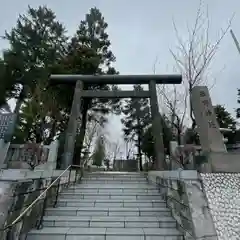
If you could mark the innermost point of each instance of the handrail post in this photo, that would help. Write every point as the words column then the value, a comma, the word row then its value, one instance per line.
column 39, row 222
column 69, row 176
column 57, row 191
column 76, row 175
column 44, row 206
column 9, row 234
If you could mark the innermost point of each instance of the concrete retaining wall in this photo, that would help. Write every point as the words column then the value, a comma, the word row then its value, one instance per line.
column 187, row 201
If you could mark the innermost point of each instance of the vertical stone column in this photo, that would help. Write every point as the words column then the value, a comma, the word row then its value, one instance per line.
column 159, row 163
column 207, row 126
column 210, row 136
column 71, row 132
column 3, row 153
column 51, row 162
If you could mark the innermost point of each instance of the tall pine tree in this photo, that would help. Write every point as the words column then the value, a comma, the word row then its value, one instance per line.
column 37, row 43
column 89, row 53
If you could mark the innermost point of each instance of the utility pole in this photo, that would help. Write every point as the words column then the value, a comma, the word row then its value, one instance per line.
column 235, row 40
column 238, row 48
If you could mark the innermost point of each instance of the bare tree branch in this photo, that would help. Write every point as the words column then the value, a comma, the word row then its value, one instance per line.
column 93, row 129
column 193, row 58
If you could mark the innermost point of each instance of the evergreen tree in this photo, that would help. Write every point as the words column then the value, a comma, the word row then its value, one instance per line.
column 148, row 142
column 238, row 101
column 89, row 53
column 137, row 118
column 99, row 152
column 225, row 120
column 37, row 43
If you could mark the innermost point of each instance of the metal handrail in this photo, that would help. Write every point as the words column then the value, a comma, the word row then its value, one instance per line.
column 39, row 197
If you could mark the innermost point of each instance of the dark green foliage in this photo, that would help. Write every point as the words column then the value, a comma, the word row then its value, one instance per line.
column 238, row 101
column 147, row 143
column 225, row 120
column 37, row 43
column 137, row 115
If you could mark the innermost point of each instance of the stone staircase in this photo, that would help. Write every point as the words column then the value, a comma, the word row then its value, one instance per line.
column 107, row 206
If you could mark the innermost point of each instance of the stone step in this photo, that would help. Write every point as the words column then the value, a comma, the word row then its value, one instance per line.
column 61, row 233
column 115, row 185
column 101, row 211
column 113, row 181
column 98, row 221
column 113, row 175
column 119, row 178
column 109, row 203
column 123, row 196
column 104, row 174
column 113, row 190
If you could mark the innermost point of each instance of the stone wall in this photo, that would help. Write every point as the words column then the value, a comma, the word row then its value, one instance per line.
column 28, row 156
column 16, row 195
column 223, row 194
column 187, row 201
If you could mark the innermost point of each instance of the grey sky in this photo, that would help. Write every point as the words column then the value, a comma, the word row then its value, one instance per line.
column 142, row 30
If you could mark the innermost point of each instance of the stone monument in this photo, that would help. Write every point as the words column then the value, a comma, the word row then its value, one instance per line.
column 211, row 139
column 208, row 129
column 7, row 123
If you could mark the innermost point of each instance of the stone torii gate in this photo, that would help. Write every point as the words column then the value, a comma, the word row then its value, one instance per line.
column 80, row 80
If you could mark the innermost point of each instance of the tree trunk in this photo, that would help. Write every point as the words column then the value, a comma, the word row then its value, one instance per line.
column 191, row 108
column 39, row 130
column 140, row 153
column 139, row 145
column 179, row 140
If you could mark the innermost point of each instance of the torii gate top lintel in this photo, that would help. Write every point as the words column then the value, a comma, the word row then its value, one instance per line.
column 115, row 79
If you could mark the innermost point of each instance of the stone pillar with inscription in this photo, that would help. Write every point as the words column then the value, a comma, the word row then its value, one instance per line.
column 3, row 153
column 207, row 126
column 7, row 124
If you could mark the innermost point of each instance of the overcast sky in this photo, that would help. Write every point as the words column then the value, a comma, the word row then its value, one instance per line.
column 141, row 30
